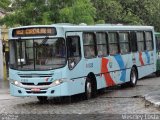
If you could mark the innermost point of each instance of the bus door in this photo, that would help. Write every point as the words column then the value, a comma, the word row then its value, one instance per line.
column 74, row 54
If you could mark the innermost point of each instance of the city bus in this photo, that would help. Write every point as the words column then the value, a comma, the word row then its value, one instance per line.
column 157, row 39
column 63, row 60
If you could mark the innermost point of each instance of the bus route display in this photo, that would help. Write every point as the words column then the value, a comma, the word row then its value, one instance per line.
column 34, row 31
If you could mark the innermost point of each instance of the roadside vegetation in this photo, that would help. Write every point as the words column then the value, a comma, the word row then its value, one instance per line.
column 32, row 12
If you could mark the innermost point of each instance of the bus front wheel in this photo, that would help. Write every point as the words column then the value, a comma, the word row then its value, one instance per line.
column 42, row 99
column 88, row 89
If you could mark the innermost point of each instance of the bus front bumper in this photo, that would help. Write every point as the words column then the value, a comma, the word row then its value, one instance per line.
column 58, row 90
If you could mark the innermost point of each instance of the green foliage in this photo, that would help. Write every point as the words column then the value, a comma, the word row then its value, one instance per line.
column 108, row 10
column 66, row 15
column 100, row 22
column 4, row 4
column 81, row 11
column 30, row 12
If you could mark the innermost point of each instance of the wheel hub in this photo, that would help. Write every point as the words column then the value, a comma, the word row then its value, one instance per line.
column 89, row 89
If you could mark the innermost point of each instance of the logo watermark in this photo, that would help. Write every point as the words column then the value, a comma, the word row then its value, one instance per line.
column 140, row 116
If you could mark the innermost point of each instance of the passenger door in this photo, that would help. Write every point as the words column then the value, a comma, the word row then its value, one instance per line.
column 74, row 53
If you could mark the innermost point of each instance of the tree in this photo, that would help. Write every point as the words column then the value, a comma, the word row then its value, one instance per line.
column 81, row 11
column 146, row 11
column 4, row 4
column 152, row 15
column 29, row 12
column 108, row 10
column 113, row 11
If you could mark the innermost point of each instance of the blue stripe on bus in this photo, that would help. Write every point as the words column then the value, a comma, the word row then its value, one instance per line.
column 122, row 66
column 148, row 57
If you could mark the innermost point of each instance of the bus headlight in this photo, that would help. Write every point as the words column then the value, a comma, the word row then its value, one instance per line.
column 57, row 82
column 15, row 82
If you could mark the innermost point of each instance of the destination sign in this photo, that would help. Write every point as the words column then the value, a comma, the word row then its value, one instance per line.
column 34, row 31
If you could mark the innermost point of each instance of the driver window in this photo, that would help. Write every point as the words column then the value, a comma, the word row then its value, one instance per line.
column 73, row 50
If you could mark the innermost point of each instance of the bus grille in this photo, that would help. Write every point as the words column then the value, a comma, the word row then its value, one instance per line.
column 42, row 83
column 27, row 83
column 45, row 83
column 40, row 92
column 34, row 75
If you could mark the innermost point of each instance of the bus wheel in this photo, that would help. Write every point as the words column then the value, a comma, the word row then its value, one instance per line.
column 133, row 77
column 42, row 99
column 88, row 89
column 157, row 73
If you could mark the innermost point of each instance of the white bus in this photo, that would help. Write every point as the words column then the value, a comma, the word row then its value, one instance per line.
column 64, row 60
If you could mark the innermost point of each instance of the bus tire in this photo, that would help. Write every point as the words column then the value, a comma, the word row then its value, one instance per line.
column 157, row 73
column 90, row 88
column 133, row 77
column 42, row 99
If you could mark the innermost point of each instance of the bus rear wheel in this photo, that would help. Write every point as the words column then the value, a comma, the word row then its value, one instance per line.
column 133, row 77
column 157, row 73
column 42, row 99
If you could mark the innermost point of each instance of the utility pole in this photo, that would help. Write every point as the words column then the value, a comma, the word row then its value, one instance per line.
column 1, row 58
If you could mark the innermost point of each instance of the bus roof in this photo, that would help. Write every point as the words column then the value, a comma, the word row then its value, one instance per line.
column 70, row 27
column 105, row 27
column 60, row 29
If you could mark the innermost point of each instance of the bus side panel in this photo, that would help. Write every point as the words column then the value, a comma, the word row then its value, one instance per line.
column 76, row 86
column 146, row 63
column 128, row 63
column 114, row 70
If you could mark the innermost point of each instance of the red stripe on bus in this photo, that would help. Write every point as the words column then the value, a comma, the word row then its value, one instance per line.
column 140, row 58
column 104, row 70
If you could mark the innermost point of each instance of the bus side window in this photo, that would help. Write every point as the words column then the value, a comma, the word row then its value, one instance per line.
column 124, row 42
column 89, row 52
column 101, row 40
column 73, row 50
column 149, row 40
column 89, row 45
column 113, row 43
column 140, row 41
column 133, row 42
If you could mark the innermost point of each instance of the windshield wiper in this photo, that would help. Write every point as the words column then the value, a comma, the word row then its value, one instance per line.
column 44, row 40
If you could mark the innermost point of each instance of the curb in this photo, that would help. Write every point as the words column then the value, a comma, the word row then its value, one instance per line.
column 153, row 98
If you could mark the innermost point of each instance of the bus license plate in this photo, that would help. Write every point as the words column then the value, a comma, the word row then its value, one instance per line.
column 35, row 89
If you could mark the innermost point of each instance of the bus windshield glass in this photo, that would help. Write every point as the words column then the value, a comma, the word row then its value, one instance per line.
column 37, row 54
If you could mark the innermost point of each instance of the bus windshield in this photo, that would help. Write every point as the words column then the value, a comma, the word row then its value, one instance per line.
column 37, row 54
